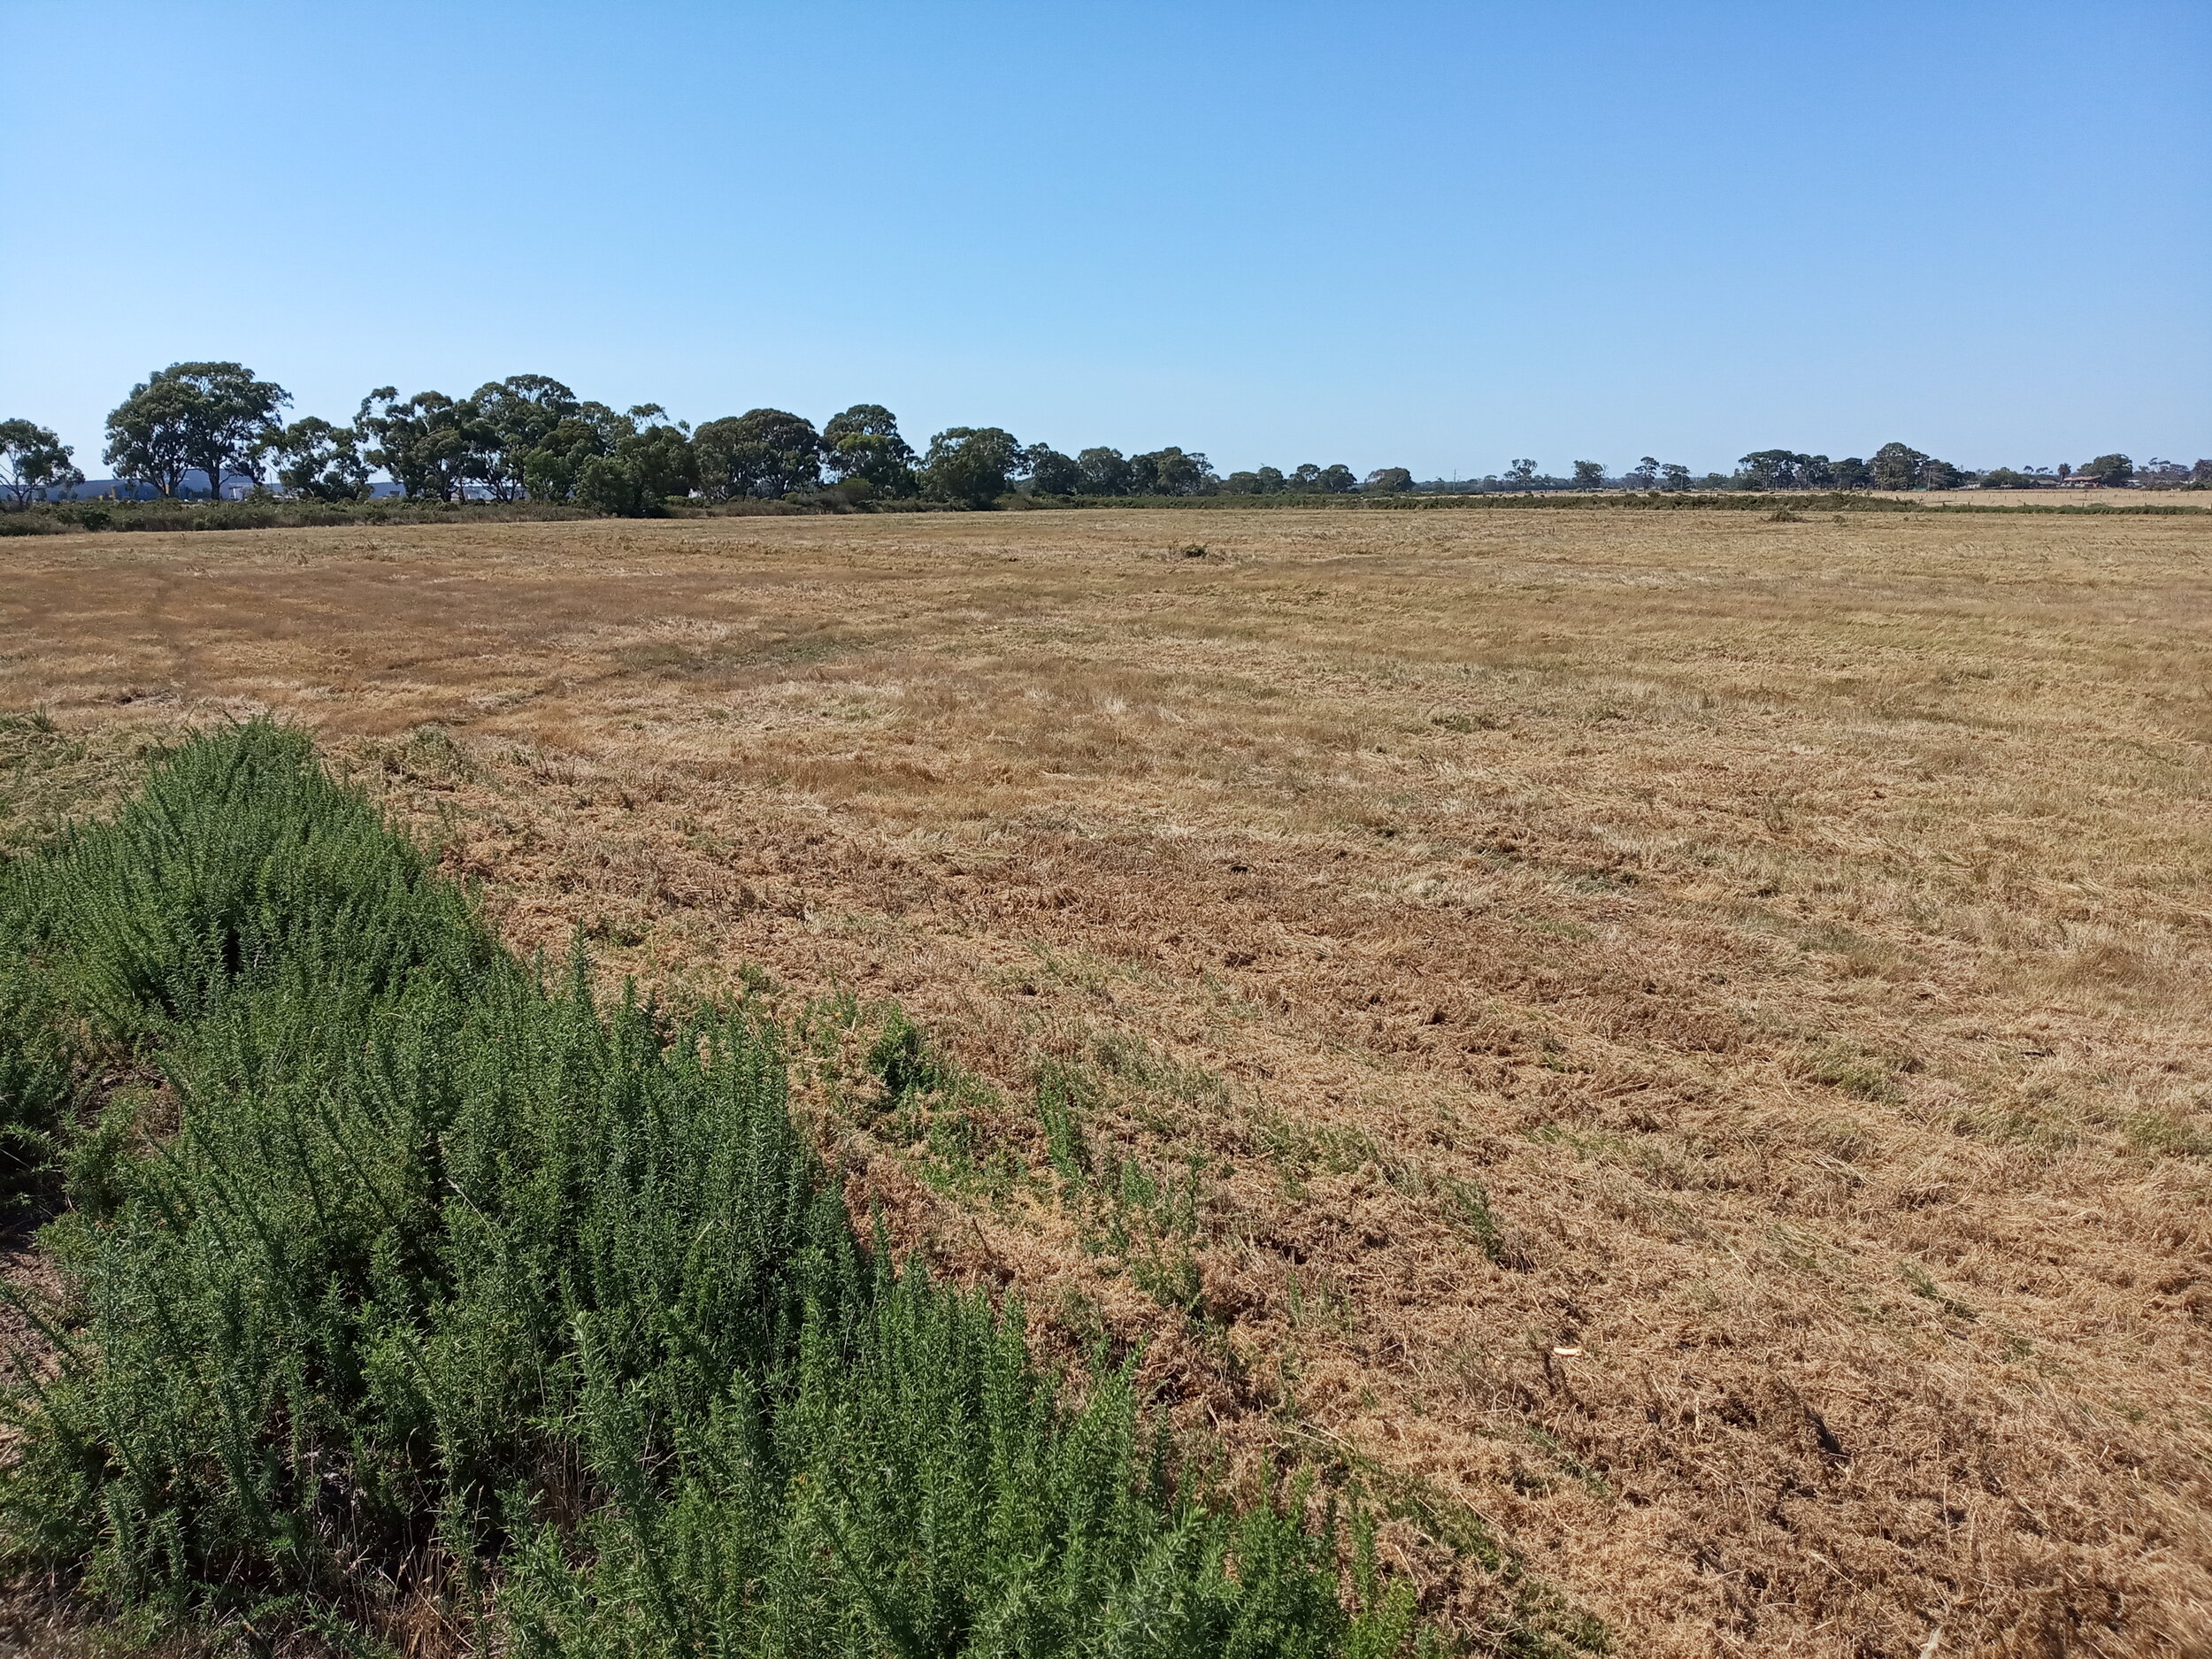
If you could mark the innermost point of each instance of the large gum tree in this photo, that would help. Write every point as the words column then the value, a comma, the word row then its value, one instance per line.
column 212, row 416
column 33, row 460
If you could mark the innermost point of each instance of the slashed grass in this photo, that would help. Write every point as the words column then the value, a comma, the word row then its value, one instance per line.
column 1835, row 891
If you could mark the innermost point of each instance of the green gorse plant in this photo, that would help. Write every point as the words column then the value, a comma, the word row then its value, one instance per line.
column 399, row 1276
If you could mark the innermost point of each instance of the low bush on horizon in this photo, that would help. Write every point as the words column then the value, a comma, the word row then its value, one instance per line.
column 412, row 1301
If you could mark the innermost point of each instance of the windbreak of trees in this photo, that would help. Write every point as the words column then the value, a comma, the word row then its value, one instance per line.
column 1894, row 466
column 2111, row 471
column 531, row 438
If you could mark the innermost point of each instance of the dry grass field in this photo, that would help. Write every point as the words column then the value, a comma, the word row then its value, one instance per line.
column 1673, row 1052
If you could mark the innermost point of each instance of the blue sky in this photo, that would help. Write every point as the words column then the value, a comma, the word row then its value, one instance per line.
column 1418, row 235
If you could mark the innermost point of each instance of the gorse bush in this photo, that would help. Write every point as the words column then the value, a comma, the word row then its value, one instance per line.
column 405, row 1290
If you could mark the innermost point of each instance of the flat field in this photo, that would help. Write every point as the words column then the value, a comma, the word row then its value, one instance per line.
column 1672, row 1052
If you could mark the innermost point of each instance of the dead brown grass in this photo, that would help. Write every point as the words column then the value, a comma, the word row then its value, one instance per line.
column 1766, row 961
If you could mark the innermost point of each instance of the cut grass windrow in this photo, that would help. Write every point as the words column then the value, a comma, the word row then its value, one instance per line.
column 413, row 1301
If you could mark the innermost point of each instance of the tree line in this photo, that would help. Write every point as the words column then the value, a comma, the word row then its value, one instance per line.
column 531, row 438
column 1894, row 466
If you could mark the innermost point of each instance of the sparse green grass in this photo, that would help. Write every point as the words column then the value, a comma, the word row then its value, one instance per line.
column 1923, row 1285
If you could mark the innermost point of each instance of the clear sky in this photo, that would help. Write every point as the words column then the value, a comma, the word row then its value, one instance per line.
column 1421, row 235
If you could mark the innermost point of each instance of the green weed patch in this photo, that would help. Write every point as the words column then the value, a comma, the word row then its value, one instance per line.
column 408, row 1290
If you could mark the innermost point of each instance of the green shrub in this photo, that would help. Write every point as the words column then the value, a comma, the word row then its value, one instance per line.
column 450, row 1285
column 35, row 1072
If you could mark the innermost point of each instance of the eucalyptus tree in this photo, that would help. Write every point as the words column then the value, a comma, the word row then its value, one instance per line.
column 1266, row 481
column 1105, row 472
column 1783, row 469
column 1309, row 479
column 429, row 443
column 212, row 416
column 862, row 443
column 649, row 461
column 971, row 466
column 1051, row 473
column 1170, row 472
column 33, row 460
column 513, row 418
column 1897, row 466
column 1767, row 469
column 551, row 470
column 768, row 452
column 317, row 460
column 1388, row 480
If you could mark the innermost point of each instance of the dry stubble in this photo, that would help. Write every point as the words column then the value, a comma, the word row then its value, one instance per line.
column 1769, row 960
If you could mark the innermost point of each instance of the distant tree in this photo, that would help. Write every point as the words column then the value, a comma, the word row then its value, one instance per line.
column 1170, row 472
column 1643, row 475
column 970, row 465
column 510, row 420
column 1851, row 472
column 147, row 435
column 33, row 460
column 1387, row 480
column 1897, row 466
column 1335, row 480
column 212, row 416
column 646, row 464
column 1785, row 469
column 2202, row 473
column 429, row 443
column 2005, row 478
column 551, row 468
column 317, row 460
column 1589, row 475
column 1264, row 480
column 1051, row 473
column 861, row 420
column 1761, row 468
column 2113, row 470
column 862, row 444
column 767, row 452
column 1105, row 472
column 1936, row 474
column 1674, row 475
column 1522, row 471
